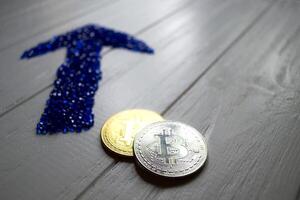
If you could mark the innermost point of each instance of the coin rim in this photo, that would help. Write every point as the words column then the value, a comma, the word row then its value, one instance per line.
column 108, row 144
column 138, row 156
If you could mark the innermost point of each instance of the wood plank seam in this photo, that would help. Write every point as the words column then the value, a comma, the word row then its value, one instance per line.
column 243, row 33
column 210, row 66
column 88, row 11
column 109, row 167
column 25, row 100
column 105, row 53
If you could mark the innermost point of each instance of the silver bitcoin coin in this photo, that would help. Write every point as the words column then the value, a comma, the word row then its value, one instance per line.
column 170, row 149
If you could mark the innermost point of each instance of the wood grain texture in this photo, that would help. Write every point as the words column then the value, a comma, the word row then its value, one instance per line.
column 11, row 8
column 43, row 16
column 247, row 106
column 33, row 76
column 64, row 166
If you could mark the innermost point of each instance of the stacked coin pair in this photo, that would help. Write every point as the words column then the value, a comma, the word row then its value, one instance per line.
column 165, row 148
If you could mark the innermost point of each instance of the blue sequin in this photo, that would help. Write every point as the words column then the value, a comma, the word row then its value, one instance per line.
column 69, row 107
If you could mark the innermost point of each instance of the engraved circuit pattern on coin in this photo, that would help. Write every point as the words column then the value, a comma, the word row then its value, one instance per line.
column 118, row 131
column 170, row 149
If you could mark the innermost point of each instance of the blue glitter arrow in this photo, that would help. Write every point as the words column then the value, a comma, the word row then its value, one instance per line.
column 69, row 107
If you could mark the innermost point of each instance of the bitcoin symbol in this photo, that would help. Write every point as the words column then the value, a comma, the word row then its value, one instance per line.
column 131, row 129
column 170, row 150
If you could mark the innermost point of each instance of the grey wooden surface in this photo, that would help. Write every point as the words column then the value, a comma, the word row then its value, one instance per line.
column 230, row 68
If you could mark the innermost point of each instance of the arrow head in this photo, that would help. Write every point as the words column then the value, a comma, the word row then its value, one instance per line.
column 89, row 33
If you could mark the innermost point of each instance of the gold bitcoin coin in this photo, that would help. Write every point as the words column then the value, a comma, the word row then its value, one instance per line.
column 118, row 131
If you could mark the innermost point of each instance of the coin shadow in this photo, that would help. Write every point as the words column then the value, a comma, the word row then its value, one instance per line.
column 166, row 182
column 115, row 156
